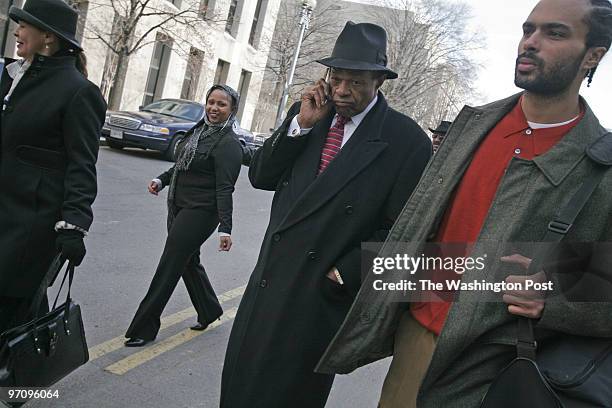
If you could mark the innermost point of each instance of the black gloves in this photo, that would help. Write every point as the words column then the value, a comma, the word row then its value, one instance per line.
column 70, row 243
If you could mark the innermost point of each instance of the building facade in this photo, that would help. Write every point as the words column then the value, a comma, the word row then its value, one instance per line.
column 229, row 45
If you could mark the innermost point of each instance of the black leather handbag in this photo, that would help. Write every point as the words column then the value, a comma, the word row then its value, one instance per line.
column 569, row 371
column 48, row 348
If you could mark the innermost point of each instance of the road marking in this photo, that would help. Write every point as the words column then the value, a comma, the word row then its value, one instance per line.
column 123, row 366
column 117, row 343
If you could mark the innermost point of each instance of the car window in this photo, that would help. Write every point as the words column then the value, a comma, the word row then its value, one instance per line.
column 184, row 110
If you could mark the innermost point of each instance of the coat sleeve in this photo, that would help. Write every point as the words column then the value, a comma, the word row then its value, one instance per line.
column 277, row 155
column 228, row 160
column 82, row 125
column 166, row 176
column 350, row 263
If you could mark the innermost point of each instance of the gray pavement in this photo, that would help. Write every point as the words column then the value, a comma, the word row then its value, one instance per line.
column 182, row 368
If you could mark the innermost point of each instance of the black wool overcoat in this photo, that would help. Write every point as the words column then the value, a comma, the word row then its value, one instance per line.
column 291, row 310
column 49, row 133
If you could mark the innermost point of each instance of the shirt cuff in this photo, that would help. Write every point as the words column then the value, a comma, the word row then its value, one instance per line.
column 338, row 276
column 159, row 183
column 224, row 234
column 64, row 225
column 295, row 130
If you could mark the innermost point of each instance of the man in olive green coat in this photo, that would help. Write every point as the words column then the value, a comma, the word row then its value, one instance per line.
column 563, row 42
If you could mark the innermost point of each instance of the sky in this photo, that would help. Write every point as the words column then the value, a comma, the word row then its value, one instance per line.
column 500, row 23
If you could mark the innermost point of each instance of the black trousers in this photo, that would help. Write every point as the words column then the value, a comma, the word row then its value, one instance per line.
column 181, row 258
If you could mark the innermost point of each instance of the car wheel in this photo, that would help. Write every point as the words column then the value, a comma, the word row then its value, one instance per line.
column 114, row 145
column 171, row 151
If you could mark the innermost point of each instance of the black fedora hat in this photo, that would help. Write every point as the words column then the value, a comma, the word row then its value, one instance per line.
column 361, row 47
column 54, row 16
column 442, row 127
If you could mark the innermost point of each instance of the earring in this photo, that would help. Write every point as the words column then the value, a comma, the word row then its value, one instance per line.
column 47, row 46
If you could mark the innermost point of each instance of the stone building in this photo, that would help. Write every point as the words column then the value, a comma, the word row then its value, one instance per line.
column 233, row 50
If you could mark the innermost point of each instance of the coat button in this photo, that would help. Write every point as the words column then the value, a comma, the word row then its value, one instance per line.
column 312, row 255
column 440, row 180
column 263, row 283
column 276, row 237
column 41, row 59
column 477, row 117
column 285, row 183
column 348, row 209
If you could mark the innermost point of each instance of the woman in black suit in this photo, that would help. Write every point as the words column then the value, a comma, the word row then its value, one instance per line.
column 50, row 130
column 200, row 198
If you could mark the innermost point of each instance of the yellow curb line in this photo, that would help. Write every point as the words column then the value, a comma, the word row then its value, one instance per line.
column 123, row 366
column 117, row 343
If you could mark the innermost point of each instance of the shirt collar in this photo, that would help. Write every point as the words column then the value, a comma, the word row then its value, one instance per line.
column 359, row 117
column 14, row 67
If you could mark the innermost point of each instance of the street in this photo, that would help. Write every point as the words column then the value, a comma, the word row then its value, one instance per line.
column 182, row 368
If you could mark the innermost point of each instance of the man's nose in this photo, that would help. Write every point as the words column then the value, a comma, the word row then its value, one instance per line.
column 531, row 43
column 343, row 88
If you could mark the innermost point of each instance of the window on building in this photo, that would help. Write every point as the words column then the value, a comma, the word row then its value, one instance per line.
column 222, row 72
column 158, row 68
column 257, row 23
column 232, row 17
column 192, row 73
column 243, row 89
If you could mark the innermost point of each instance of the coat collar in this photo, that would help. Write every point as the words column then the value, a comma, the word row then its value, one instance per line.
column 559, row 161
column 362, row 148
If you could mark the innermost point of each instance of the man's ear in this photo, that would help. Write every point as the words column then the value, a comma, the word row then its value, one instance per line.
column 380, row 80
column 594, row 56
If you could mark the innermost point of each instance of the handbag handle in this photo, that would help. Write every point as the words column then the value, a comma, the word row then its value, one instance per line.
column 54, row 268
column 70, row 274
column 526, row 344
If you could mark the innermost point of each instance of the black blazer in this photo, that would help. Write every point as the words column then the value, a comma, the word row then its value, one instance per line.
column 49, row 137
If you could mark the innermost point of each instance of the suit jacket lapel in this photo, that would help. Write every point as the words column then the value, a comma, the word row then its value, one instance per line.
column 361, row 149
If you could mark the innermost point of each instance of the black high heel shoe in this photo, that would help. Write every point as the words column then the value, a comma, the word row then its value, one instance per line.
column 199, row 327
column 136, row 342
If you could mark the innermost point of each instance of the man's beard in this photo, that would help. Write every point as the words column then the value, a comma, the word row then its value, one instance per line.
column 549, row 82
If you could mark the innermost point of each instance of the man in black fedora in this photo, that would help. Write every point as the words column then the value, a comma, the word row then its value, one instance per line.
column 437, row 134
column 342, row 165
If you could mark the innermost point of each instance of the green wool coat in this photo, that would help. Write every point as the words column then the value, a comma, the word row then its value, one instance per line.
column 478, row 338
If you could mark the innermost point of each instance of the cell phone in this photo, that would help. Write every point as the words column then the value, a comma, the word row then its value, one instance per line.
column 327, row 75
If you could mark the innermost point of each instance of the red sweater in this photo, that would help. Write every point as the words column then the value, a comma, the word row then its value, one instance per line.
column 474, row 195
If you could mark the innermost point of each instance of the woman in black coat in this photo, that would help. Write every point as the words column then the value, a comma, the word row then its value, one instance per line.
column 200, row 198
column 49, row 130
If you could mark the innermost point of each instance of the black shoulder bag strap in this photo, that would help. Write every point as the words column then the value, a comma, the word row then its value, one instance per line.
column 600, row 153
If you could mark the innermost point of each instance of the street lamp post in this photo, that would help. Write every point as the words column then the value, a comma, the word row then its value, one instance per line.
column 305, row 14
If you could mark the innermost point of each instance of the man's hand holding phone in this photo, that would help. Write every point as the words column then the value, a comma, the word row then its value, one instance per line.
column 316, row 104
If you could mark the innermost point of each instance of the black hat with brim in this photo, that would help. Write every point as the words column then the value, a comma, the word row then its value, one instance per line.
column 53, row 16
column 442, row 127
column 360, row 47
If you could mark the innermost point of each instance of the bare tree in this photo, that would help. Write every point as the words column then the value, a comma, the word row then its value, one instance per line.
column 318, row 42
column 138, row 23
column 431, row 49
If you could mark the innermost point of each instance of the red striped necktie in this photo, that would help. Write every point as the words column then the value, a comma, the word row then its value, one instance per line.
column 333, row 142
